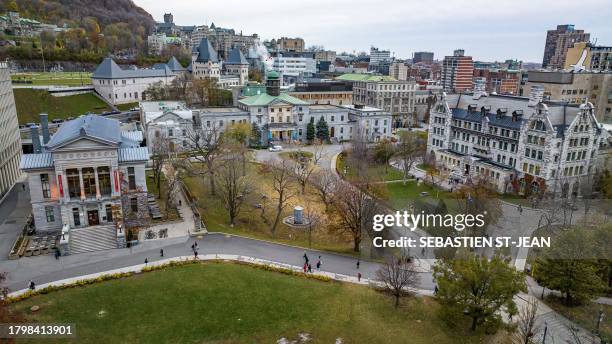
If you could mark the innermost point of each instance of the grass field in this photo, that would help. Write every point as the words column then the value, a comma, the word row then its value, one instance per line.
column 375, row 171
column 52, row 78
column 228, row 303
column 127, row 106
column 400, row 196
column 31, row 103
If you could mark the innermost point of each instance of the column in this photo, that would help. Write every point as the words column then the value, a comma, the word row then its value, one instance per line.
column 81, row 185
column 98, row 196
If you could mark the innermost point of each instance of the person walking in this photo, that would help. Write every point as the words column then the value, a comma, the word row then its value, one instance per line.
column 57, row 254
column 520, row 209
column 358, row 263
column 319, row 264
column 305, row 267
column 195, row 254
column 305, row 257
column 32, row 285
column 309, row 268
column 146, row 261
column 196, row 245
column 192, row 247
column 359, row 277
column 161, row 252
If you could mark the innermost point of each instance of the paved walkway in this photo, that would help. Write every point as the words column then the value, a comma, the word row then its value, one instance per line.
column 14, row 210
column 44, row 269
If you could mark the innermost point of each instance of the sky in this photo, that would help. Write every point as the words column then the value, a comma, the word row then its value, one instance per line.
column 488, row 30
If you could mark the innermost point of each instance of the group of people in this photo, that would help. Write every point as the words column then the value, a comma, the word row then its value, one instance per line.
column 308, row 266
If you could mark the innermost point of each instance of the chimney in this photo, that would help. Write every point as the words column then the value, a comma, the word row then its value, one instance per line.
column 44, row 126
column 35, row 139
column 536, row 96
column 479, row 88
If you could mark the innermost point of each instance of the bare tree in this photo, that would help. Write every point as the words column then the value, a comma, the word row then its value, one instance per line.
column 314, row 218
column 317, row 153
column 281, row 183
column 410, row 149
column 233, row 186
column 355, row 210
column 527, row 329
column 206, row 147
column 302, row 169
column 160, row 150
column 325, row 183
column 397, row 275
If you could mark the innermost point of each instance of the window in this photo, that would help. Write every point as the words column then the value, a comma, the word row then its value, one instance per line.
column 74, row 185
column 49, row 214
column 134, row 204
column 109, row 213
column 131, row 178
column 170, row 132
column 104, row 181
column 89, row 182
column 46, row 188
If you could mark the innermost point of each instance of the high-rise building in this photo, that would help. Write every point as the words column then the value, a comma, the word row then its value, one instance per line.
column 10, row 141
column 398, row 70
column 557, row 43
column 457, row 72
column 586, row 56
column 377, row 56
column 423, row 57
column 499, row 81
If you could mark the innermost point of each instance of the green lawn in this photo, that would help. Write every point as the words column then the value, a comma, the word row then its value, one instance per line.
column 229, row 303
column 400, row 196
column 51, row 78
column 375, row 171
column 31, row 103
column 127, row 106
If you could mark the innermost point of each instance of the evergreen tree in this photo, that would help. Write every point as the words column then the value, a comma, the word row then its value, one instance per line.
column 322, row 129
column 310, row 130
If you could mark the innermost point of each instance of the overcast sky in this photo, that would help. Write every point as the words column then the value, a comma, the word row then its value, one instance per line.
column 487, row 29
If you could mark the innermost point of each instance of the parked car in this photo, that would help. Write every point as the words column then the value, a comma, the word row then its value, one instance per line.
column 275, row 148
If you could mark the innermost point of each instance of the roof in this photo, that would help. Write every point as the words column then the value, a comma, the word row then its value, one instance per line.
column 92, row 126
column 175, row 65
column 36, row 161
column 206, row 52
column 108, row 69
column 266, row 99
column 272, row 75
column 365, row 77
column 475, row 116
column 132, row 135
column 236, row 57
column 133, row 154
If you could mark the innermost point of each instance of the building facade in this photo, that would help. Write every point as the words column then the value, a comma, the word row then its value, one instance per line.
column 457, row 72
column 89, row 177
column 119, row 86
column 589, row 57
column 10, row 140
column 423, row 57
column 289, row 44
column 398, row 70
column 499, row 81
column 522, row 145
column 378, row 56
column 557, row 43
column 576, row 88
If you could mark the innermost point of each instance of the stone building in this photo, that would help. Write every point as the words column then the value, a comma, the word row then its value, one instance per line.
column 457, row 72
column 87, row 181
column 590, row 57
column 10, row 140
column 522, row 145
column 558, row 41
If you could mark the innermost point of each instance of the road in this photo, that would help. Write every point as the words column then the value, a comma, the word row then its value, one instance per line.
column 14, row 211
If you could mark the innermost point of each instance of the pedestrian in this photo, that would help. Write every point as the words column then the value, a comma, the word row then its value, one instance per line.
column 305, row 267
column 196, row 245
column 161, row 252
column 32, row 285
column 23, row 187
column 305, row 257
column 520, row 209
column 436, row 290
column 195, row 254
column 309, row 268
column 359, row 277
column 319, row 264
column 423, row 251
column 57, row 254
column 358, row 263
column 180, row 203
column 146, row 261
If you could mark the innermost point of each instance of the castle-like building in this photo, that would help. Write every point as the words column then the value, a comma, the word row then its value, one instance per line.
column 522, row 145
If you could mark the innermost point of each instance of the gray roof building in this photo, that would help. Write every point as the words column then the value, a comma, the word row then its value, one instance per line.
column 108, row 69
column 236, row 57
column 206, row 52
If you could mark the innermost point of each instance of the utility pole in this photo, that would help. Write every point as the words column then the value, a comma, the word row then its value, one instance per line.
column 545, row 330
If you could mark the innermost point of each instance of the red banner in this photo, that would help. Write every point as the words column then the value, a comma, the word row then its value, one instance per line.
column 61, row 185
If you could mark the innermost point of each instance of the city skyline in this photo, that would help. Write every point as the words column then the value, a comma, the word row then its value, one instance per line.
column 518, row 33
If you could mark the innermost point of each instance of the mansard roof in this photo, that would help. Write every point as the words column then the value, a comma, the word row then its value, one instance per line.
column 265, row 99
column 505, row 121
column 206, row 52
column 236, row 57
column 108, row 69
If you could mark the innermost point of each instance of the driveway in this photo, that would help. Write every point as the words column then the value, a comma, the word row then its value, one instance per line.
column 14, row 211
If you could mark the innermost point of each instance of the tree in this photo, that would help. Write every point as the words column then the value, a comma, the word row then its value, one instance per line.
column 479, row 198
column 322, row 130
column 206, row 147
column 160, row 149
column 410, row 149
column 527, row 329
column 302, row 170
column 310, row 130
column 240, row 134
column 397, row 275
column 355, row 210
column 255, row 137
column 314, row 218
column 325, row 183
column 568, row 266
column 233, row 187
column 477, row 287
column 281, row 183
column 383, row 151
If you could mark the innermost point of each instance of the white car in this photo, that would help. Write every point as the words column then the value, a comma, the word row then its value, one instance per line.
column 275, row 148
